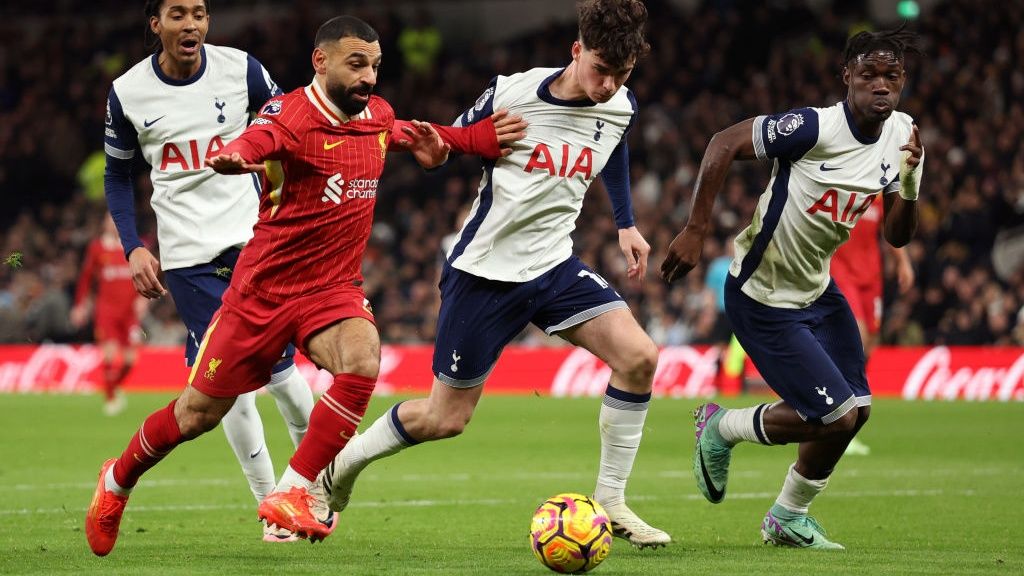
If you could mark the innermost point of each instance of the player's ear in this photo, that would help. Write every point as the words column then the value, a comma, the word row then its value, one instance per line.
column 577, row 49
column 846, row 75
column 154, row 25
column 319, row 60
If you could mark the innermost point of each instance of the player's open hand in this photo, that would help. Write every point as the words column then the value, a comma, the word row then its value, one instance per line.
column 233, row 164
column 683, row 255
column 145, row 268
column 636, row 250
column 426, row 145
column 509, row 128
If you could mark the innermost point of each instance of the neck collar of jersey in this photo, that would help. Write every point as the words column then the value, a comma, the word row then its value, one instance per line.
column 174, row 81
column 860, row 136
column 544, row 93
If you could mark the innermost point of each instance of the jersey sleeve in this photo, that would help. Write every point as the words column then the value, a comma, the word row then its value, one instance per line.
column 121, row 143
column 616, row 176
column 120, row 140
column 788, row 135
column 483, row 107
column 267, row 137
column 260, row 85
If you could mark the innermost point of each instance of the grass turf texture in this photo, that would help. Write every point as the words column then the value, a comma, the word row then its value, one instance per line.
column 941, row 493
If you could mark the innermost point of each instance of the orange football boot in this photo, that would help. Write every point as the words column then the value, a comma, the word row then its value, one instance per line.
column 293, row 510
column 104, row 515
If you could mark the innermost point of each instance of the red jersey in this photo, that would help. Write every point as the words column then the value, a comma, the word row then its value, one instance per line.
column 320, row 189
column 859, row 260
column 105, row 265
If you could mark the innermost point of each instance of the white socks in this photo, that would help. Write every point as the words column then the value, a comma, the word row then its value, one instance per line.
column 244, row 430
column 621, row 424
column 111, row 485
column 380, row 440
column 797, row 491
column 292, row 478
column 294, row 401
column 739, row 424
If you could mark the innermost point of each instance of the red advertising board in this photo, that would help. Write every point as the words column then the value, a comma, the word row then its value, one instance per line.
column 969, row 373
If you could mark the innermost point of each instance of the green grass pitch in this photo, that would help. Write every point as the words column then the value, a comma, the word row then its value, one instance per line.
column 942, row 493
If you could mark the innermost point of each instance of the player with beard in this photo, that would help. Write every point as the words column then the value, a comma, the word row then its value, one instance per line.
column 831, row 165
column 321, row 151
column 171, row 109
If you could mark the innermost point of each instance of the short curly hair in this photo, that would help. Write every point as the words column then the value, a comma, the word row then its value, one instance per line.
column 614, row 29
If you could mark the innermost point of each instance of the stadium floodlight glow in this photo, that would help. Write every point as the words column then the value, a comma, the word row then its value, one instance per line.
column 908, row 9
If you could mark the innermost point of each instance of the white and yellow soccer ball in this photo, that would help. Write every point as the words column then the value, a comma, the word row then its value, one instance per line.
column 570, row 533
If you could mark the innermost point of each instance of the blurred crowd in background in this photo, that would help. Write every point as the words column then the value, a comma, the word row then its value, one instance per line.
column 708, row 68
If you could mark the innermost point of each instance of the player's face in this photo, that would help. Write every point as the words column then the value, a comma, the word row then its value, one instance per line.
column 599, row 80
column 874, row 82
column 182, row 28
column 349, row 67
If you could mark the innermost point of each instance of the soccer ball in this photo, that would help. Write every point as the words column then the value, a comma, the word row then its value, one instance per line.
column 570, row 533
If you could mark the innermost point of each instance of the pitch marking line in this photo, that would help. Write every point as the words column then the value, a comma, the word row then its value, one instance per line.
column 493, row 502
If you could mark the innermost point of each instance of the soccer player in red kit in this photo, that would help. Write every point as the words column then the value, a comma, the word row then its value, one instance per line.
column 857, row 269
column 321, row 150
column 115, row 310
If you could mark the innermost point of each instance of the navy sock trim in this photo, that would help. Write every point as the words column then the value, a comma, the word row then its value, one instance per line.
column 757, row 426
column 627, row 396
column 396, row 425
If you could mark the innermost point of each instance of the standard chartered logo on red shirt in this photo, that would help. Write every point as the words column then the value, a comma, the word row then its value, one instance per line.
column 337, row 189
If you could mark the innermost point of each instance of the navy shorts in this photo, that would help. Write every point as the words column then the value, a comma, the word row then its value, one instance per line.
column 197, row 291
column 812, row 358
column 479, row 316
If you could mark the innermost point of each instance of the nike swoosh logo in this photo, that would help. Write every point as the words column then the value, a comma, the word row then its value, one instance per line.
column 330, row 145
column 147, row 123
column 826, row 168
column 806, row 540
column 715, row 493
column 257, row 453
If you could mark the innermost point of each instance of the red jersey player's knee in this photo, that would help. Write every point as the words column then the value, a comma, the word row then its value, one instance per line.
column 351, row 346
column 198, row 413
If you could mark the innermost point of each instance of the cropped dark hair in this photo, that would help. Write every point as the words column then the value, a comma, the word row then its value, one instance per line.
column 899, row 41
column 614, row 29
column 344, row 27
column 152, row 10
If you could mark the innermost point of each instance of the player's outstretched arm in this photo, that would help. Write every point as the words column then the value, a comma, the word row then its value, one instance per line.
column 233, row 164
column 491, row 137
column 684, row 252
column 901, row 209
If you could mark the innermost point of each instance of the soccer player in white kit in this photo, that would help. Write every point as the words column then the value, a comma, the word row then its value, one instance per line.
column 831, row 164
column 512, row 263
column 171, row 110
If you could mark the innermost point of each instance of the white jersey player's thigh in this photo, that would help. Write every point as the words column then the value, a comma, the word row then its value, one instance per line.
column 810, row 357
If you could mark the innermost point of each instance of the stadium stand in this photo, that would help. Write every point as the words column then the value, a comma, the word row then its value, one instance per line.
column 967, row 94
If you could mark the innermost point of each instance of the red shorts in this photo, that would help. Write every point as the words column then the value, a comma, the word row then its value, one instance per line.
column 865, row 301
column 122, row 328
column 246, row 336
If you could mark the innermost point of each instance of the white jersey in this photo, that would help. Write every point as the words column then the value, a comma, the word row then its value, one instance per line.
column 521, row 221
column 174, row 125
column 826, row 175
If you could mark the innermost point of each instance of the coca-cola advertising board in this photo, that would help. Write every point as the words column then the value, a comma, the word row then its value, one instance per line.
column 937, row 373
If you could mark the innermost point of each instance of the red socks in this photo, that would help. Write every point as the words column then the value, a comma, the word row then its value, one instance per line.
column 158, row 435
column 332, row 424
